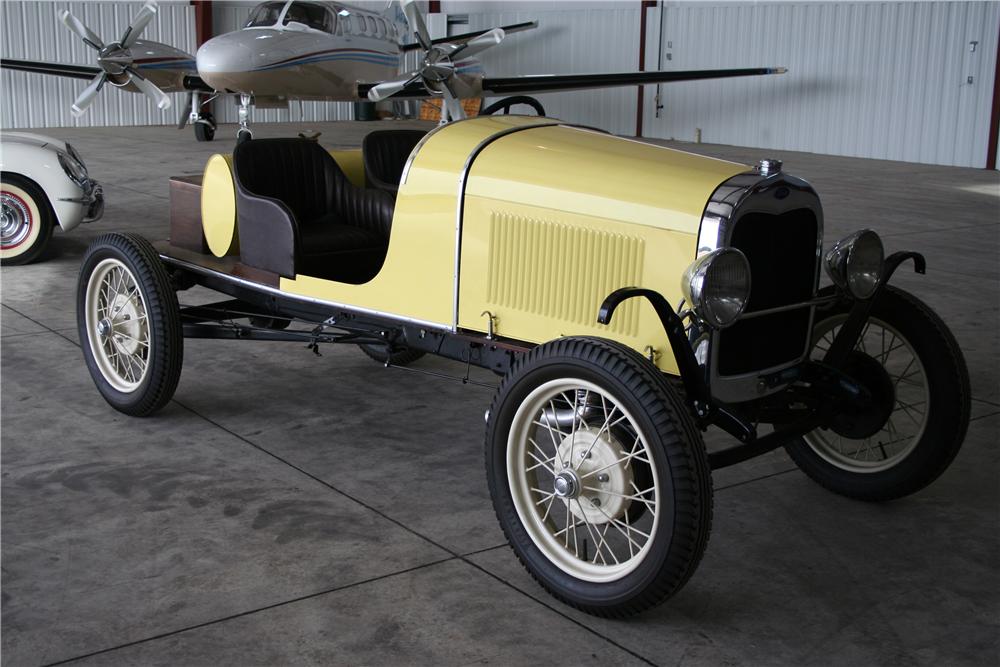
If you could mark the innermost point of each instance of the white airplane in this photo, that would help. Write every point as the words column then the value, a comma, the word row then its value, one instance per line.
column 296, row 50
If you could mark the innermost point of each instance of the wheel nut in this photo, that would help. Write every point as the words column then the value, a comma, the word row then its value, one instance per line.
column 596, row 502
column 603, row 478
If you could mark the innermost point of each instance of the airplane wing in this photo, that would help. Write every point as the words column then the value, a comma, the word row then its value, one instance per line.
column 190, row 82
column 56, row 69
column 466, row 36
column 551, row 83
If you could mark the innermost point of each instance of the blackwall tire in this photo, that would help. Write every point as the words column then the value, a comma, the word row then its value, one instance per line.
column 584, row 553
column 28, row 220
column 203, row 131
column 398, row 357
column 129, row 324
column 930, row 411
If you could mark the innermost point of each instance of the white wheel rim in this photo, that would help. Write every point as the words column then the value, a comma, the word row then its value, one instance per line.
column 905, row 425
column 18, row 221
column 591, row 541
column 118, row 325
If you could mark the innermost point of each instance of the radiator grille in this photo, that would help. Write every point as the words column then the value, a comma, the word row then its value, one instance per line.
column 561, row 271
column 781, row 250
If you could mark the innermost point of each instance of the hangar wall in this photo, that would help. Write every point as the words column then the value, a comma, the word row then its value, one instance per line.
column 571, row 38
column 869, row 79
column 32, row 31
column 885, row 80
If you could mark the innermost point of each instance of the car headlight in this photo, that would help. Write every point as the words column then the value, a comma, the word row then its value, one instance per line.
column 76, row 156
column 76, row 171
column 855, row 263
column 717, row 286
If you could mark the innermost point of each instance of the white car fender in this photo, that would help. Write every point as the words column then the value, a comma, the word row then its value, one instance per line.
column 37, row 158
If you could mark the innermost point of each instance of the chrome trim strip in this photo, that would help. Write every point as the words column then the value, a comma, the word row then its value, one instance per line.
column 420, row 144
column 298, row 297
column 460, row 207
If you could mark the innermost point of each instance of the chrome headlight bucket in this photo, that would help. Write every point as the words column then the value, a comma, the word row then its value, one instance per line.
column 855, row 263
column 717, row 285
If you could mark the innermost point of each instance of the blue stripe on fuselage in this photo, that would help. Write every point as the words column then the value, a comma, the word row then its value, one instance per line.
column 370, row 58
column 176, row 64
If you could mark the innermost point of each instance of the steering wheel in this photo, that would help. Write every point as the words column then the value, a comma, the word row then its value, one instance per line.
column 506, row 103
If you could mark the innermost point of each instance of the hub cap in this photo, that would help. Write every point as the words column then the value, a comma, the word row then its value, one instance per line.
column 15, row 220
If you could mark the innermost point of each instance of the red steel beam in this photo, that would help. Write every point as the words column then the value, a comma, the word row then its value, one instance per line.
column 991, row 150
column 202, row 20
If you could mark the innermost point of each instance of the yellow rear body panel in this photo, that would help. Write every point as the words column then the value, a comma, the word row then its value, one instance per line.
column 218, row 206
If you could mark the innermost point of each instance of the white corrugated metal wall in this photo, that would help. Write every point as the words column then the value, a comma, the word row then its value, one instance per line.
column 885, row 80
column 870, row 79
column 571, row 38
column 32, row 31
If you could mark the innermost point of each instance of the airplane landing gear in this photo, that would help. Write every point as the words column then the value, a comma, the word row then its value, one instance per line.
column 244, row 133
column 202, row 122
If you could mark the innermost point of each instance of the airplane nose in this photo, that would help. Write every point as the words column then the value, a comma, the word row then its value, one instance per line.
column 225, row 54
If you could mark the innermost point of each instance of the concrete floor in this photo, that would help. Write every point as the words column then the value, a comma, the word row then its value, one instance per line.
column 290, row 509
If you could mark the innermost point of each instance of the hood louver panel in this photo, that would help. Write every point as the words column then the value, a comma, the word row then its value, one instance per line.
column 561, row 271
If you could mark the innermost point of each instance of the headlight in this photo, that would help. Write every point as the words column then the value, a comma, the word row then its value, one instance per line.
column 76, row 171
column 76, row 156
column 854, row 264
column 717, row 286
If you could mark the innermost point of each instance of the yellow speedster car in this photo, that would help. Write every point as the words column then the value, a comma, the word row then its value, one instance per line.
column 628, row 295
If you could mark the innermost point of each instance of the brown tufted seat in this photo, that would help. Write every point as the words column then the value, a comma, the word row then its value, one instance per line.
column 298, row 213
column 384, row 153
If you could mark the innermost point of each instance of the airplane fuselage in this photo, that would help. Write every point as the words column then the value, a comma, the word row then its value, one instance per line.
column 288, row 59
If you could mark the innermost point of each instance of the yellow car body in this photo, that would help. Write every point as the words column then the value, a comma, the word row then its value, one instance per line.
column 525, row 220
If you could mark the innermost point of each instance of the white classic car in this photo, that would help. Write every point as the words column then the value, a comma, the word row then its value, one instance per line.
column 45, row 183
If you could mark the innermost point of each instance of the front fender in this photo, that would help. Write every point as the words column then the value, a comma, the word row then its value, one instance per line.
column 41, row 165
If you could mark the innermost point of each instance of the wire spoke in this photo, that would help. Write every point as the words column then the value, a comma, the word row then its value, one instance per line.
column 541, row 463
column 617, row 524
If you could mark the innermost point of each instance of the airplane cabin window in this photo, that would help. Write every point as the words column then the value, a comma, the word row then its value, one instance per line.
column 265, row 15
column 314, row 16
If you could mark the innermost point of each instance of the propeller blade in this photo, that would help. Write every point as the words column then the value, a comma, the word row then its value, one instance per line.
column 416, row 22
column 138, row 24
column 88, row 36
column 479, row 44
column 150, row 89
column 86, row 98
column 381, row 91
column 451, row 107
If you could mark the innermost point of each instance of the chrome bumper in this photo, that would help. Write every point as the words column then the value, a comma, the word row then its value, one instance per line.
column 93, row 199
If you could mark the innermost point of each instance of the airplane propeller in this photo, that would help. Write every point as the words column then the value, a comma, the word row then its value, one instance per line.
column 115, row 59
column 437, row 71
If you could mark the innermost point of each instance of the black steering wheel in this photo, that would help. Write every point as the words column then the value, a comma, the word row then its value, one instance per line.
column 504, row 105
